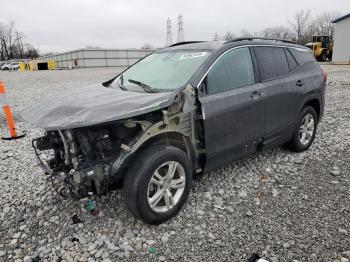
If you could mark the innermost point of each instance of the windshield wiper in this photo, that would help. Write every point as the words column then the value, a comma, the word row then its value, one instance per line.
column 145, row 87
column 121, row 85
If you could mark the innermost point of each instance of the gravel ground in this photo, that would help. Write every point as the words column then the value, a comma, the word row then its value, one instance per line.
column 280, row 205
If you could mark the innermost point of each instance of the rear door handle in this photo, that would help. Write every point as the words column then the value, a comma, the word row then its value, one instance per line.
column 299, row 83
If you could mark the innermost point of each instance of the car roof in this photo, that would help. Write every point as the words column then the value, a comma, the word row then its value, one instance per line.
column 215, row 45
column 196, row 45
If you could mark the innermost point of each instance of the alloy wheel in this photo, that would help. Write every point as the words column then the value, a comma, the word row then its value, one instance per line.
column 166, row 186
column 306, row 130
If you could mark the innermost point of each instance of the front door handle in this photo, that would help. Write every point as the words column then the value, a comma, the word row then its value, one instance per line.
column 299, row 83
column 256, row 94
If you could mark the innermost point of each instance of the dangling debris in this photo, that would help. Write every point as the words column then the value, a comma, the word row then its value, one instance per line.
column 90, row 205
column 76, row 220
column 74, row 239
column 152, row 250
column 256, row 258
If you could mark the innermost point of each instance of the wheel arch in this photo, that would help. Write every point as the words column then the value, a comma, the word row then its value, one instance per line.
column 174, row 138
column 315, row 104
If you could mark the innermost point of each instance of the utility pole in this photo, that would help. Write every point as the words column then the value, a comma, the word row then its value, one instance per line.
column 19, row 37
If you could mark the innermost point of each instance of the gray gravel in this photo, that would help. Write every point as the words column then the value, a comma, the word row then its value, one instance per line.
column 280, row 205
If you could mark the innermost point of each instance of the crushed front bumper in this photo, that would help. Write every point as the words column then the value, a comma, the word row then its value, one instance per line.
column 77, row 183
column 68, row 186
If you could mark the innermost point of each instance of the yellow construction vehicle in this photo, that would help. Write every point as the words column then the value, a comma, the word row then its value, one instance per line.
column 322, row 47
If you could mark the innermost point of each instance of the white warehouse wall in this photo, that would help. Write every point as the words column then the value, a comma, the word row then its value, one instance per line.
column 341, row 49
column 98, row 57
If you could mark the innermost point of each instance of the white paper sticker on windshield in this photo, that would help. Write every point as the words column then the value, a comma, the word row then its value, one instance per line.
column 192, row 55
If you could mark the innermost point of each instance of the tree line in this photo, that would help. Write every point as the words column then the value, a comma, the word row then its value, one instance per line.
column 302, row 26
column 11, row 44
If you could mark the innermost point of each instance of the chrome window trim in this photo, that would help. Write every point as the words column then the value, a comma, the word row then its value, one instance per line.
column 252, row 45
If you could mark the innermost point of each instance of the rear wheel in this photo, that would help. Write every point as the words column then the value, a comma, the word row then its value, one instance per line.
column 158, row 183
column 305, row 132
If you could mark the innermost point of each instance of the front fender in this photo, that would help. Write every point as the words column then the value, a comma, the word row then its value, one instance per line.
column 179, row 123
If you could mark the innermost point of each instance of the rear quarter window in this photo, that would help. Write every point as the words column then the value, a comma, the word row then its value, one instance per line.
column 291, row 60
column 302, row 55
column 272, row 62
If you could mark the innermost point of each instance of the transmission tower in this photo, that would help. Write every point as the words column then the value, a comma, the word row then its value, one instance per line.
column 180, row 29
column 169, row 38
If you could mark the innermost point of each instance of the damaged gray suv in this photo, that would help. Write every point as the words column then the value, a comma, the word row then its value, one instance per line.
column 180, row 111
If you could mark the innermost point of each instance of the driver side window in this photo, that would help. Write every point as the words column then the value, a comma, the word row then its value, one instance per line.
column 234, row 69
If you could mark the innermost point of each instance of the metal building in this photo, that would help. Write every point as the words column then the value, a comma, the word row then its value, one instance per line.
column 83, row 58
column 341, row 49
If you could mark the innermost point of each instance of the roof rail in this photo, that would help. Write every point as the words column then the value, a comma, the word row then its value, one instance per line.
column 259, row 38
column 185, row 42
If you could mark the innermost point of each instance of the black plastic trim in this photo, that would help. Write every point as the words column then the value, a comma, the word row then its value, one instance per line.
column 259, row 38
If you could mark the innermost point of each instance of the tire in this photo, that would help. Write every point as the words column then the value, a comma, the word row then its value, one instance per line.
column 323, row 56
column 297, row 143
column 138, row 188
column 330, row 56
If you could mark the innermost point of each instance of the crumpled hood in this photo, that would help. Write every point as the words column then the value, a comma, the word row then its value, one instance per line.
column 92, row 105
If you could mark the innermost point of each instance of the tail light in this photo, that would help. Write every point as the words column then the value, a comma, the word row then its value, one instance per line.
column 325, row 75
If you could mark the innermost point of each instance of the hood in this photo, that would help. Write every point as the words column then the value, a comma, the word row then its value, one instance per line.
column 92, row 105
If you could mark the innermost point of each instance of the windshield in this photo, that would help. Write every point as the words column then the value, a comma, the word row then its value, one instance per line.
column 161, row 72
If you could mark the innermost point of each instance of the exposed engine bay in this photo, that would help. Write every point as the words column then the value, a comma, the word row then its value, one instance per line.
column 92, row 158
column 80, row 157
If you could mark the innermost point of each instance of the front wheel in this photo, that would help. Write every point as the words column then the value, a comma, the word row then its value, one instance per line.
column 158, row 183
column 305, row 131
column 323, row 56
column 330, row 56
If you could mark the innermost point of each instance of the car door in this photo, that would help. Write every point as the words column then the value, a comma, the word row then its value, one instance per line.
column 228, row 114
column 281, row 94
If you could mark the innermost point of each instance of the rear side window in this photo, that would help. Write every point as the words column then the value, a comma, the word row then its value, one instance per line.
column 291, row 60
column 234, row 69
column 302, row 55
column 272, row 62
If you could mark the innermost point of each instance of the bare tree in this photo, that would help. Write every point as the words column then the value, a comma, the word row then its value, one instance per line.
column 320, row 25
column 323, row 23
column 10, row 42
column 7, row 39
column 279, row 32
column 19, row 37
column 3, row 41
column 299, row 25
column 229, row 36
column 302, row 28
column 147, row 46
column 30, row 52
column 245, row 33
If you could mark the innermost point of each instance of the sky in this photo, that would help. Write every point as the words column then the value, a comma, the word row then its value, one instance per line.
column 64, row 25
